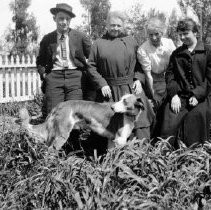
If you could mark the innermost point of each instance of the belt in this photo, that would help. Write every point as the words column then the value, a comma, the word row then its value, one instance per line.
column 159, row 76
column 185, row 95
column 126, row 80
column 64, row 69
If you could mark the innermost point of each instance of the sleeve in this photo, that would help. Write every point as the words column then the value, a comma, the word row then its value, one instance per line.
column 93, row 64
column 86, row 45
column 201, row 91
column 208, row 74
column 138, row 71
column 139, row 74
column 171, row 46
column 171, row 84
column 41, row 58
column 144, row 59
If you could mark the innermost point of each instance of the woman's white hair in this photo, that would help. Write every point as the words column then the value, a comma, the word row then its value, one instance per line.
column 156, row 24
column 116, row 14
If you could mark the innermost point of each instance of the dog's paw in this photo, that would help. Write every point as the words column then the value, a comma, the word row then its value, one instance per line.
column 120, row 141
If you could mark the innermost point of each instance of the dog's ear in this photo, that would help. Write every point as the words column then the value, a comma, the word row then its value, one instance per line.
column 139, row 103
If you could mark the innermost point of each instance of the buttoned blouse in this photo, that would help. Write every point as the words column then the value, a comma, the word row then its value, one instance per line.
column 153, row 58
column 189, row 73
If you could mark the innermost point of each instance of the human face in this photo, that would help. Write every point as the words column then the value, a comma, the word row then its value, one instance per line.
column 155, row 37
column 188, row 37
column 129, row 29
column 62, row 20
column 115, row 27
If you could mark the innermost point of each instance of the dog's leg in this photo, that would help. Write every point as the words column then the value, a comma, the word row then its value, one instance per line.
column 58, row 133
column 120, row 140
column 59, row 142
column 62, row 136
column 111, row 144
column 124, row 132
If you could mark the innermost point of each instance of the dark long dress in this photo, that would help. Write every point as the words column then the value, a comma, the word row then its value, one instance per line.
column 112, row 62
column 189, row 74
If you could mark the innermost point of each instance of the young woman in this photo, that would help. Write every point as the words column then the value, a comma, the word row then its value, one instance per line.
column 188, row 78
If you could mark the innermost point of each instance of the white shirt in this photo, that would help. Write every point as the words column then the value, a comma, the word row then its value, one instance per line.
column 58, row 62
column 153, row 58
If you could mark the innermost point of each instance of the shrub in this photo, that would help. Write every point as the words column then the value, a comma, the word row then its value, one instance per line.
column 137, row 176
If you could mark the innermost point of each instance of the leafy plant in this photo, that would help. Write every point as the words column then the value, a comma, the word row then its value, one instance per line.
column 137, row 176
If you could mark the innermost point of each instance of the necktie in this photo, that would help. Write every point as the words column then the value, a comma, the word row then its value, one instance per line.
column 63, row 47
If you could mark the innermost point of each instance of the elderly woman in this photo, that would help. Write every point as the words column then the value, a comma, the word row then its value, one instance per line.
column 112, row 65
column 188, row 78
column 154, row 56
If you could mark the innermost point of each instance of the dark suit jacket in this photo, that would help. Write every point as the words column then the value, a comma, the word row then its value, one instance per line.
column 79, row 46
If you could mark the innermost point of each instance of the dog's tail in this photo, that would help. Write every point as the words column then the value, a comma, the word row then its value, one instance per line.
column 34, row 130
column 24, row 117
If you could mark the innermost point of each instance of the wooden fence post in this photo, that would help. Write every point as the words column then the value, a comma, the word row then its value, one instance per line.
column 19, row 80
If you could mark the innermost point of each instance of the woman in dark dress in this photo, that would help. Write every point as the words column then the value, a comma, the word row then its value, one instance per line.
column 112, row 63
column 188, row 80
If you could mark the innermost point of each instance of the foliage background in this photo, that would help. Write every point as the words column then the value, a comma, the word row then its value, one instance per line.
column 23, row 36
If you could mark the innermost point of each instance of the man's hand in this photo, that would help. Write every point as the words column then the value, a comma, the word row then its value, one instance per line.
column 137, row 87
column 193, row 101
column 151, row 103
column 41, row 71
column 43, row 76
column 106, row 91
column 176, row 104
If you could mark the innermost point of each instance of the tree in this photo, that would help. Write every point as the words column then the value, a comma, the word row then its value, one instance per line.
column 137, row 19
column 203, row 11
column 25, row 33
column 97, row 14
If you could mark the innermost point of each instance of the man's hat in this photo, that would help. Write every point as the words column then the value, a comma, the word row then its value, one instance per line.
column 62, row 8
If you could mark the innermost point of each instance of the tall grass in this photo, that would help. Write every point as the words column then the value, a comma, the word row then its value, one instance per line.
column 137, row 176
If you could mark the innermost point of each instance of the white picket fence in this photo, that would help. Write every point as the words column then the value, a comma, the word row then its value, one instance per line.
column 19, row 80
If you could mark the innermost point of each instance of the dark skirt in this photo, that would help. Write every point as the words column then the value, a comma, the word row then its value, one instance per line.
column 194, row 122
column 159, row 86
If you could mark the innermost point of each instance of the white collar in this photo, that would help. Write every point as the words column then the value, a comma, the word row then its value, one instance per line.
column 60, row 34
column 160, row 46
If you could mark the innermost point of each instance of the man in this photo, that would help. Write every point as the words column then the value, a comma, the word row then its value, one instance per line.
column 61, row 60
column 188, row 79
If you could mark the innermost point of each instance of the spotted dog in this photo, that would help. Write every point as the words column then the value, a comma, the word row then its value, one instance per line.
column 112, row 120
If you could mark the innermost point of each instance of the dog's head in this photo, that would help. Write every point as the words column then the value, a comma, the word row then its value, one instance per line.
column 129, row 104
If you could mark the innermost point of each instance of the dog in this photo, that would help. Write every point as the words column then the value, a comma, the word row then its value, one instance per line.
column 112, row 120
